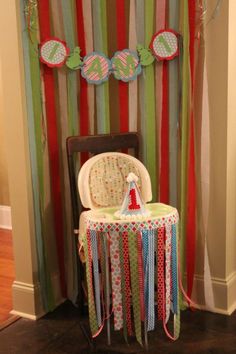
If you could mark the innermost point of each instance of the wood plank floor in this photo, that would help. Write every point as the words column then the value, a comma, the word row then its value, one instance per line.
column 7, row 274
column 60, row 332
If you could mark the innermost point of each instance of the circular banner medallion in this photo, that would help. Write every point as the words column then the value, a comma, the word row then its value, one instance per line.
column 125, row 65
column 164, row 45
column 96, row 68
column 53, row 52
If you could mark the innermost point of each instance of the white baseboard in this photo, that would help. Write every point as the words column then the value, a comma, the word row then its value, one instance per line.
column 5, row 217
column 27, row 300
column 224, row 291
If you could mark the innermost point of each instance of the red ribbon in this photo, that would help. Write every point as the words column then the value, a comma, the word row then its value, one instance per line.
column 123, row 87
column 191, row 196
column 83, row 94
column 53, row 146
column 127, row 282
column 160, row 272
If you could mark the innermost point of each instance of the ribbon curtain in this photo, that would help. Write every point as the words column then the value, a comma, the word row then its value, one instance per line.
column 159, row 105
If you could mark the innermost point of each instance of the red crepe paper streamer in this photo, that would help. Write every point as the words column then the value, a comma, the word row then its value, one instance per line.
column 164, row 173
column 191, row 196
column 44, row 22
column 83, row 94
column 123, row 87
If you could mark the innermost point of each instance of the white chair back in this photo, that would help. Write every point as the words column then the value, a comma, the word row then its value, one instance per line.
column 102, row 180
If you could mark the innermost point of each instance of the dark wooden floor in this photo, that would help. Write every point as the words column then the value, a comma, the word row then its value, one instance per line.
column 7, row 274
column 60, row 333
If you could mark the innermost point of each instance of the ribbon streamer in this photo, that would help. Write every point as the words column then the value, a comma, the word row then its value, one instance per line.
column 44, row 21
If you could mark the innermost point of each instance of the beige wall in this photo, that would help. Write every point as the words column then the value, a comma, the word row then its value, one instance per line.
column 4, row 190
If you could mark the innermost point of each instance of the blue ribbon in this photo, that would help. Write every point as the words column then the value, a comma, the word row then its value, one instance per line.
column 94, row 246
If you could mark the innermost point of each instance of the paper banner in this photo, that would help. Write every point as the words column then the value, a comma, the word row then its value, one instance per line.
column 125, row 65
column 53, row 52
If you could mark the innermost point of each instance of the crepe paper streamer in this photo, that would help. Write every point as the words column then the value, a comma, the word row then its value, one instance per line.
column 160, row 271
column 150, row 117
column 122, row 43
column 133, row 85
column 125, row 65
column 83, row 92
column 94, row 248
column 167, row 270
column 164, row 44
column 121, row 250
column 174, row 269
column 71, row 249
column 145, row 55
column 116, row 280
column 205, row 184
column 127, row 282
column 100, row 40
column 174, row 99
column 141, row 275
column 53, row 52
column 191, row 197
column 164, row 171
column 151, row 282
column 91, row 304
column 74, row 62
column 88, row 34
column 32, row 82
column 184, row 132
column 133, row 255
column 160, row 22
column 96, row 68
column 44, row 21
column 68, row 21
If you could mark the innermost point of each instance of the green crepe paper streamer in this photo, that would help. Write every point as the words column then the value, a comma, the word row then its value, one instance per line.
column 133, row 256
column 184, row 135
column 173, row 106
column 150, row 117
column 68, row 22
column 141, row 79
column 99, row 30
column 91, row 304
column 34, row 113
column 105, row 50
column 123, row 286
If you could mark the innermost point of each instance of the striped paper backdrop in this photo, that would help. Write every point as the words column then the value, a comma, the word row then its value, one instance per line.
column 159, row 105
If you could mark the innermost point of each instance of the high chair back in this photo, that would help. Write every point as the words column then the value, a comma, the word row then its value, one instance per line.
column 102, row 180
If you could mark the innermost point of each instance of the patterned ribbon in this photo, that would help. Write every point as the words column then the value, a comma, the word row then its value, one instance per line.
column 151, row 282
column 174, row 269
column 116, row 280
column 167, row 270
column 141, row 275
column 123, row 286
column 89, row 276
column 145, row 269
column 160, row 271
column 133, row 254
column 127, row 281
column 94, row 248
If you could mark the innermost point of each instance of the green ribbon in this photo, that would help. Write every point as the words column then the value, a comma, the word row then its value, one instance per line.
column 133, row 256
column 173, row 107
column 150, row 117
column 68, row 22
column 89, row 276
column 100, row 44
column 36, row 142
